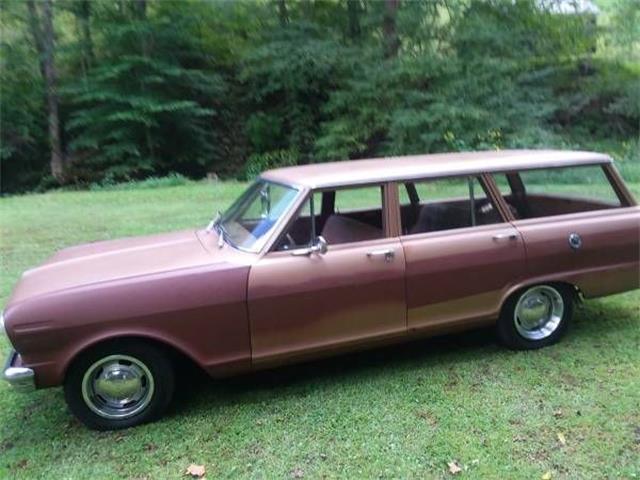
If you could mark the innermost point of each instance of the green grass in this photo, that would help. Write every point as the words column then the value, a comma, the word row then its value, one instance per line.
column 401, row 412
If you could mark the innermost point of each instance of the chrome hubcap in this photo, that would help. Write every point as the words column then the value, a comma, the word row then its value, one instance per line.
column 117, row 386
column 538, row 312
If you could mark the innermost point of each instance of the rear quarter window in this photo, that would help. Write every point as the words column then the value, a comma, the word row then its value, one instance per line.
column 557, row 191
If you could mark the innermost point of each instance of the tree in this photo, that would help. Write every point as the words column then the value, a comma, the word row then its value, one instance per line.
column 44, row 39
column 82, row 11
column 353, row 19
column 283, row 13
column 148, row 87
column 147, row 108
column 24, row 147
column 389, row 28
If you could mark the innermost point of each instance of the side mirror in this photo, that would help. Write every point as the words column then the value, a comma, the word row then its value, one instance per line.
column 319, row 246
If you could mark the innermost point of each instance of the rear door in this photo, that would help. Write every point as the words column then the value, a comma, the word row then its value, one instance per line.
column 461, row 255
column 577, row 225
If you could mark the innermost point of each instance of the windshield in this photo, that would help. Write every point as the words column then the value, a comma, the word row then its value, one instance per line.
column 248, row 223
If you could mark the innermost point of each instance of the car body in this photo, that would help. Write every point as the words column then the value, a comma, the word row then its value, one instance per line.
column 289, row 273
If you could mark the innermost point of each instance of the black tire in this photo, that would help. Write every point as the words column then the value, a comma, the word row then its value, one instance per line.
column 156, row 362
column 510, row 329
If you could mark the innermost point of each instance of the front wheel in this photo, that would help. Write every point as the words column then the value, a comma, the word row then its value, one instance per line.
column 119, row 385
column 536, row 316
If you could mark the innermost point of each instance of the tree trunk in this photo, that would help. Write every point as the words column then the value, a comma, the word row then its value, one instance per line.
column 283, row 13
column 389, row 28
column 353, row 17
column 140, row 9
column 84, row 18
column 44, row 39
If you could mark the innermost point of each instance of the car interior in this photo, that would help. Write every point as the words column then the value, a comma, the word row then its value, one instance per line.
column 417, row 216
column 336, row 227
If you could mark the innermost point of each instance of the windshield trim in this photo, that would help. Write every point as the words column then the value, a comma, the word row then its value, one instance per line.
column 277, row 226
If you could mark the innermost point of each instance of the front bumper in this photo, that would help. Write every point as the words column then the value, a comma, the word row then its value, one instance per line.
column 20, row 377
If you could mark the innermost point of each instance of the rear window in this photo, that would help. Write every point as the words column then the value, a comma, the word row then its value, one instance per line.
column 557, row 191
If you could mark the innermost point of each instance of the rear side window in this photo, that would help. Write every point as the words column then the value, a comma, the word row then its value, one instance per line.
column 557, row 191
column 445, row 204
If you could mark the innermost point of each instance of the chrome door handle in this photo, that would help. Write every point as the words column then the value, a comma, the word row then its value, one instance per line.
column 388, row 254
column 505, row 236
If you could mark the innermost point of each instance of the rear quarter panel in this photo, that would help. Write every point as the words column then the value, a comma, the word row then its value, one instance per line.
column 608, row 261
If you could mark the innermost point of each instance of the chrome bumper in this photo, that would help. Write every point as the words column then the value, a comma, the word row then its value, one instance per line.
column 20, row 378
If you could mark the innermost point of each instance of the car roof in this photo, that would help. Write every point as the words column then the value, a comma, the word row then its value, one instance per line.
column 413, row 167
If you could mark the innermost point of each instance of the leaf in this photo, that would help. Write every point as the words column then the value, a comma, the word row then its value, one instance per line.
column 454, row 468
column 546, row 476
column 561, row 439
column 297, row 473
column 195, row 471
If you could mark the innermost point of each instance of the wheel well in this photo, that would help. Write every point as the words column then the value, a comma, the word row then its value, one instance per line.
column 178, row 357
column 574, row 289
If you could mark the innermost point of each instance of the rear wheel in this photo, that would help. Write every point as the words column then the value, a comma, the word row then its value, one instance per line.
column 119, row 385
column 536, row 316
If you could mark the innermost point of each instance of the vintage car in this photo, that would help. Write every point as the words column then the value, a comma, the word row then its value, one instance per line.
column 327, row 258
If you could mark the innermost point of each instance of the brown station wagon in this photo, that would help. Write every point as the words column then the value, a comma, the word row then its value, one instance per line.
column 322, row 259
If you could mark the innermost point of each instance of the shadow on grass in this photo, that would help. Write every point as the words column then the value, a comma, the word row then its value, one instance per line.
column 474, row 345
column 198, row 391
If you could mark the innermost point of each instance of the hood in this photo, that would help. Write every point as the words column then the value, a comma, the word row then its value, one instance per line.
column 115, row 259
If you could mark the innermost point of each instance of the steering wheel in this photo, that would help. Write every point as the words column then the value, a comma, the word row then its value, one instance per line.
column 290, row 239
column 288, row 242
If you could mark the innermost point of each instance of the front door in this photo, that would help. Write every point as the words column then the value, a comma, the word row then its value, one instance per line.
column 302, row 306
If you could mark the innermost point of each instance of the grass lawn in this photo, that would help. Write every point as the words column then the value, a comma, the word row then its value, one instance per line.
column 404, row 412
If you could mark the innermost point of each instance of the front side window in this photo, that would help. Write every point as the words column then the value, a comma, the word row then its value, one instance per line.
column 339, row 215
column 445, row 204
column 557, row 191
column 248, row 223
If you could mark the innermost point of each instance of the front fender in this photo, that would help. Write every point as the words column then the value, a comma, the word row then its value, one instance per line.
column 199, row 311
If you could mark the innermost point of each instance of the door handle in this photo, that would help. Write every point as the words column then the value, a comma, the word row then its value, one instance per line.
column 505, row 236
column 388, row 254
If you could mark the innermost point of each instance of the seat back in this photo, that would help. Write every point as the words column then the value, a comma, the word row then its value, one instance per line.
column 340, row 229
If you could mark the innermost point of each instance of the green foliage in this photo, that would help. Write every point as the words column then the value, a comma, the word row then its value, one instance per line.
column 23, row 142
column 288, row 78
column 171, row 180
column 259, row 162
column 150, row 88
column 494, row 89
column 148, row 112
